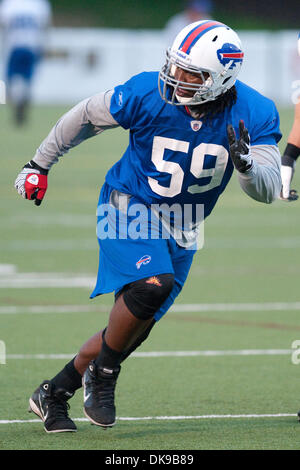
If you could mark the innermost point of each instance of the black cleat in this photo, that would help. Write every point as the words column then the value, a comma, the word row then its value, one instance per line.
column 99, row 394
column 293, row 196
column 298, row 416
column 51, row 406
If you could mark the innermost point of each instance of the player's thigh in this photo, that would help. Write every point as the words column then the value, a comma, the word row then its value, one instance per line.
column 122, row 262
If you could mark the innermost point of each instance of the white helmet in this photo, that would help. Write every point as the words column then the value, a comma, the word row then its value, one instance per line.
column 202, row 47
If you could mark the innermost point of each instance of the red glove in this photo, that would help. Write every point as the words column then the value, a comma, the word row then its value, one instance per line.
column 35, row 187
column 31, row 182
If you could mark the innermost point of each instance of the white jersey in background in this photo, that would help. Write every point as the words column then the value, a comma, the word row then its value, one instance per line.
column 24, row 23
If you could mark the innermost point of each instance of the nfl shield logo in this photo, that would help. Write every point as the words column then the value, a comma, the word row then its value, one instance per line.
column 196, row 125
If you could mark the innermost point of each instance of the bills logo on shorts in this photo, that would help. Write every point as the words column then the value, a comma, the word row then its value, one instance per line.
column 230, row 53
column 144, row 260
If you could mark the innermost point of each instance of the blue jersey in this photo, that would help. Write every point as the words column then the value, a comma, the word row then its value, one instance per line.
column 171, row 156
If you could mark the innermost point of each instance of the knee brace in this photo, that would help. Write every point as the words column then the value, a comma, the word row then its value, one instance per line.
column 144, row 297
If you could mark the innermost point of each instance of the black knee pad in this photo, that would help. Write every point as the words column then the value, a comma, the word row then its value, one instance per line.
column 144, row 297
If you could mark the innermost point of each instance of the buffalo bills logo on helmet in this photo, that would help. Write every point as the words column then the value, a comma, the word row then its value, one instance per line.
column 230, row 53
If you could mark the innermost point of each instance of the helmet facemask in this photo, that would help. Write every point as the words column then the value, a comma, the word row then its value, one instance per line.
column 208, row 90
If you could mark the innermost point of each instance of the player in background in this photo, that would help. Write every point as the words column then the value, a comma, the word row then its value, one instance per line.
column 24, row 25
column 193, row 10
column 290, row 155
column 191, row 125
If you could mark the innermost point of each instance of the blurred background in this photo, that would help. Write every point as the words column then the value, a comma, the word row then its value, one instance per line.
column 243, row 289
column 93, row 46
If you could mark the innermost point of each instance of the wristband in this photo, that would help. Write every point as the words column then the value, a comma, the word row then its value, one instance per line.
column 292, row 151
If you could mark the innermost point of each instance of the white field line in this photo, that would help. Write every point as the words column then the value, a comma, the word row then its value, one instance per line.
column 220, row 307
column 50, row 245
column 166, row 418
column 86, row 244
column 44, row 309
column 62, row 219
column 246, row 307
column 154, row 354
column 46, row 280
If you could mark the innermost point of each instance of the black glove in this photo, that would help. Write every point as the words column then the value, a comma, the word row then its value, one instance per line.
column 240, row 149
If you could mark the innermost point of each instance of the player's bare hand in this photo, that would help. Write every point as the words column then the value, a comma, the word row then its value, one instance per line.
column 239, row 148
column 31, row 182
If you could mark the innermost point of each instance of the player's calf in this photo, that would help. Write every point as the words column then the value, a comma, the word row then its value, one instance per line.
column 141, row 300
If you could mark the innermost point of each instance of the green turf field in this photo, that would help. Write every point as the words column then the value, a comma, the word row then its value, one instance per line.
column 241, row 303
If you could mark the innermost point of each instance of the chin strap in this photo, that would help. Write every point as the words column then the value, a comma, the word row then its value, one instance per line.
column 182, row 100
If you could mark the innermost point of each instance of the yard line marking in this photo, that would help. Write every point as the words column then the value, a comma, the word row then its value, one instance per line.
column 64, row 219
column 207, row 353
column 41, row 309
column 179, row 308
column 54, row 245
column 69, row 244
column 85, row 244
column 166, row 418
column 40, row 356
column 245, row 307
column 7, row 269
column 253, row 242
column 241, row 352
column 46, row 280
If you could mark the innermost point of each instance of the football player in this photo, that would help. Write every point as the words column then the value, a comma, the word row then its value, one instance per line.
column 191, row 125
column 290, row 155
column 24, row 24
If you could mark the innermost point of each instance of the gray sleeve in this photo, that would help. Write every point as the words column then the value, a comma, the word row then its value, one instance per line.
column 87, row 119
column 263, row 181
